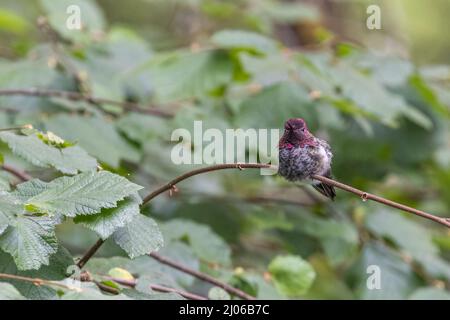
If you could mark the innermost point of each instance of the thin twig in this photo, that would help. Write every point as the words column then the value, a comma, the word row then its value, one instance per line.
column 170, row 185
column 159, row 288
column 88, row 255
column 368, row 196
column 21, row 175
column 76, row 96
column 201, row 276
column 38, row 281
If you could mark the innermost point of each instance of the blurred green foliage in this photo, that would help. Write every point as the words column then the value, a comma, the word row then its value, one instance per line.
column 227, row 63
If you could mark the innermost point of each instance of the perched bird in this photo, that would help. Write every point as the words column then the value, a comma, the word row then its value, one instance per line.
column 302, row 155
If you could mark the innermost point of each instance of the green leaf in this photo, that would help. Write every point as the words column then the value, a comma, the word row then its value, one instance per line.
column 373, row 98
column 216, row 293
column 91, row 294
column 29, row 74
column 120, row 273
column 30, row 241
column 56, row 270
column 430, row 293
column 138, row 237
column 290, row 12
column 192, row 74
column 96, row 135
column 85, row 193
column 292, row 275
column 244, row 40
column 68, row 160
column 272, row 106
column 9, row 292
column 397, row 279
column 213, row 250
column 412, row 238
column 143, row 128
column 91, row 17
column 338, row 239
column 110, row 219
column 10, row 21
column 10, row 206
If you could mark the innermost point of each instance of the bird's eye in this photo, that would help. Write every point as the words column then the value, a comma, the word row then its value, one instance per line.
column 303, row 129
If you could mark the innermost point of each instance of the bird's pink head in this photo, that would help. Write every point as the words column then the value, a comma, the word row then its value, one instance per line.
column 295, row 133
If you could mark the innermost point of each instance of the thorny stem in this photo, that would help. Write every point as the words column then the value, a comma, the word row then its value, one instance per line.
column 76, row 96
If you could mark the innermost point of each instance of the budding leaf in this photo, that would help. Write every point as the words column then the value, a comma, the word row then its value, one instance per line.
column 49, row 152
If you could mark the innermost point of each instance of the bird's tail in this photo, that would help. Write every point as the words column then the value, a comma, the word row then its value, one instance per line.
column 325, row 189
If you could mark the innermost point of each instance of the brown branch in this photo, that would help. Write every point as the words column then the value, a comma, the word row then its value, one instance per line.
column 201, row 276
column 159, row 288
column 21, row 175
column 171, row 184
column 38, row 281
column 88, row 255
column 368, row 196
column 76, row 96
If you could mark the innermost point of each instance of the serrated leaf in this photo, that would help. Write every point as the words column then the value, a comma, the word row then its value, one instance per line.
column 138, row 237
column 85, row 193
column 213, row 250
column 58, row 268
column 292, row 275
column 29, row 189
column 30, row 241
column 70, row 160
column 96, row 135
column 244, row 40
column 9, row 207
column 110, row 219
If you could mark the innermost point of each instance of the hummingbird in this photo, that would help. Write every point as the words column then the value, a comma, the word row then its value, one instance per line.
column 302, row 155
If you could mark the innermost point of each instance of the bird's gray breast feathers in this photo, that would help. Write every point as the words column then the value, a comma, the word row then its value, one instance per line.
column 298, row 163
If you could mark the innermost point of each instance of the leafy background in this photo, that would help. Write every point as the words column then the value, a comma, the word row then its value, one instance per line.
column 381, row 98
